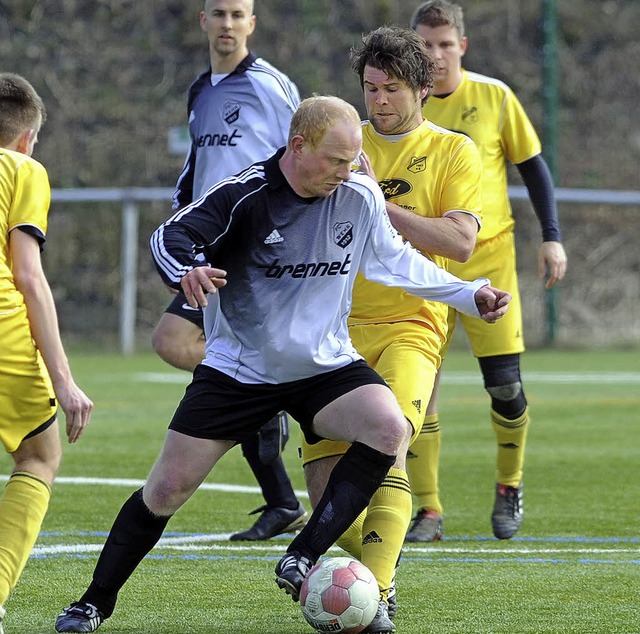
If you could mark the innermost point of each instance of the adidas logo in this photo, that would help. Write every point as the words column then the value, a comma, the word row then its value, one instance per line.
column 273, row 237
column 418, row 405
column 372, row 538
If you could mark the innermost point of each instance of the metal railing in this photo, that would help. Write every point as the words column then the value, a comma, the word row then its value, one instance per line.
column 130, row 198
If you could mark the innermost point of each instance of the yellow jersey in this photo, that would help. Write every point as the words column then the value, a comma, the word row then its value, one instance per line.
column 25, row 195
column 431, row 172
column 487, row 110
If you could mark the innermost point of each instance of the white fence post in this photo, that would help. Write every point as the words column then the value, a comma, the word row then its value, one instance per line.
column 128, row 276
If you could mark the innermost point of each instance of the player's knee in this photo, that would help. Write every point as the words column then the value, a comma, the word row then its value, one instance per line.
column 40, row 453
column 168, row 352
column 165, row 495
column 508, row 400
column 390, row 433
column 165, row 338
column 507, row 392
column 49, row 468
column 503, row 383
column 180, row 347
column 159, row 340
column 45, row 468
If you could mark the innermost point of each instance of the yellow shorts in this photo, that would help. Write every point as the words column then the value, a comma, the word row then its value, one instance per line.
column 407, row 357
column 27, row 399
column 495, row 259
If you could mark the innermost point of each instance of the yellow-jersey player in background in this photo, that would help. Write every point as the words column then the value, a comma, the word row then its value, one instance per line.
column 488, row 112
column 431, row 180
column 34, row 371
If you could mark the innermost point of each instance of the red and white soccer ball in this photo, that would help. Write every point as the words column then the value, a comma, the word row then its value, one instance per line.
column 339, row 595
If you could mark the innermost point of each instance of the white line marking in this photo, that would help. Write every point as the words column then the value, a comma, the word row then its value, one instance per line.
column 201, row 543
column 133, row 483
column 521, row 551
column 162, row 377
column 465, row 378
column 455, row 378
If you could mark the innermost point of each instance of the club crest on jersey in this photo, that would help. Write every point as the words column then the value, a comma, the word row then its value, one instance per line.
column 231, row 111
column 343, row 234
column 393, row 187
column 417, row 164
column 470, row 114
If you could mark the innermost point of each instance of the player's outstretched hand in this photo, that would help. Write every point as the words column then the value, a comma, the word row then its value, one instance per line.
column 200, row 281
column 492, row 303
column 76, row 405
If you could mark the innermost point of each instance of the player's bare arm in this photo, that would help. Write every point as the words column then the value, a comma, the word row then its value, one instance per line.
column 452, row 236
column 201, row 281
column 552, row 262
column 31, row 282
column 492, row 303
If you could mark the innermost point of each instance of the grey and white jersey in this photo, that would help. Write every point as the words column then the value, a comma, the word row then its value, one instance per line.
column 291, row 263
column 243, row 118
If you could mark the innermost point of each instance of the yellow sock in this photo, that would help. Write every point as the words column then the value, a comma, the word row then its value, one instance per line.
column 351, row 539
column 511, row 436
column 423, row 463
column 23, row 506
column 385, row 526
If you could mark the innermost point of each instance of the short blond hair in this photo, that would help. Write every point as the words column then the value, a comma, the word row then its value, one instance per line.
column 250, row 4
column 21, row 108
column 317, row 114
column 435, row 13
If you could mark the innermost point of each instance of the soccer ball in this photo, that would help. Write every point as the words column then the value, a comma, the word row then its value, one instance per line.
column 339, row 595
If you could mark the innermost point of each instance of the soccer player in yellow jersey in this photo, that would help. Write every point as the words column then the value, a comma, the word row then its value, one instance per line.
column 431, row 181
column 34, row 371
column 488, row 112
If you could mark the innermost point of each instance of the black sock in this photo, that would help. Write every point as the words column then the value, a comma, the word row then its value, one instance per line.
column 272, row 478
column 134, row 533
column 353, row 481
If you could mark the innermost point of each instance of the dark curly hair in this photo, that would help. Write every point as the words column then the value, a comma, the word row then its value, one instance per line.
column 401, row 53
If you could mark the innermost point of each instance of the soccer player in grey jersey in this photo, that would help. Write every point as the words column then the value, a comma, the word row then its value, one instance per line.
column 239, row 112
column 233, row 118
column 282, row 317
column 291, row 233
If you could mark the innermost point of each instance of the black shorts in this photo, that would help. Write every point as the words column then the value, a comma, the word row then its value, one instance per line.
column 218, row 407
column 180, row 307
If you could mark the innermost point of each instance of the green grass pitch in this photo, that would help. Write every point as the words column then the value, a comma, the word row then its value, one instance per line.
column 574, row 568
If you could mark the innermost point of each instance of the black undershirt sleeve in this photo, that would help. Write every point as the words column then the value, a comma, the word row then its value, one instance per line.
column 539, row 183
